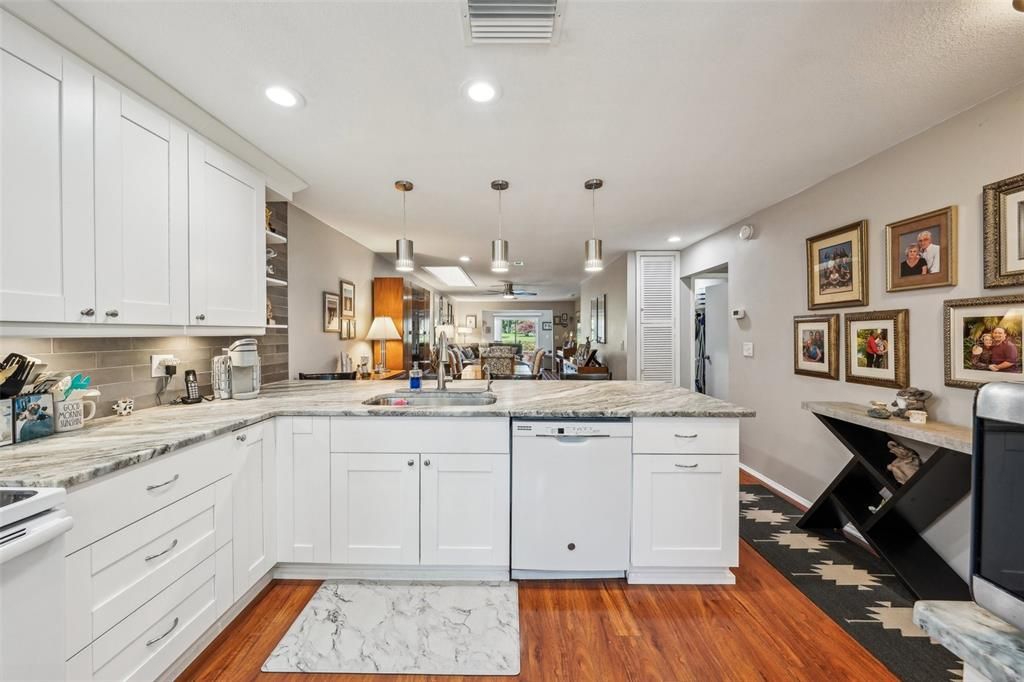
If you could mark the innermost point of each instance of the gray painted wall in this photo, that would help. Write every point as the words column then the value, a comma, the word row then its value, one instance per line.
column 945, row 165
column 610, row 281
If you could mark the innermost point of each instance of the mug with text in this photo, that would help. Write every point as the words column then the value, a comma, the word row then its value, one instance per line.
column 72, row 414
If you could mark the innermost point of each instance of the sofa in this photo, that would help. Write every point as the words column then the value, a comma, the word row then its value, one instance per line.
column 498, row 359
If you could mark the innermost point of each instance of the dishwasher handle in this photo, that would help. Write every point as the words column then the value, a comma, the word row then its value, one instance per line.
column 37, row 538
column 567, row 439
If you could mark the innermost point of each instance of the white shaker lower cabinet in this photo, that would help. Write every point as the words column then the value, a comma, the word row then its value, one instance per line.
column 303, row 489
column 375, row 515
column 685, row 504
column 464, row 509
column 253, row 497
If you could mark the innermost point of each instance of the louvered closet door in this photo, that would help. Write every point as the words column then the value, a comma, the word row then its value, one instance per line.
column 657, row 329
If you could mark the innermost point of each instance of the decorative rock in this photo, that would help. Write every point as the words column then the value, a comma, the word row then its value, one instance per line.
column 879, row 412
column 910, row 399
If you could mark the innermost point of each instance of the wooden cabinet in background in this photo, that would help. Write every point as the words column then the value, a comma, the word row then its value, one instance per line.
column 409, row 307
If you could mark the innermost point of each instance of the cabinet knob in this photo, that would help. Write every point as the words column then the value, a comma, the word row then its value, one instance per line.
column 426, row 462
column 112, row 313
column 572, row 546
column 241, row 437
column 200, row 317
column 411, row 462
column 88, row 312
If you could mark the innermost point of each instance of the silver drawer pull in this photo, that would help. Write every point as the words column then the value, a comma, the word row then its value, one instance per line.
column 241, row 437
column 157, row 639
column 683, row 435
column 160, row 554
column 411, row 462
column 687, row 466
column 161, row 485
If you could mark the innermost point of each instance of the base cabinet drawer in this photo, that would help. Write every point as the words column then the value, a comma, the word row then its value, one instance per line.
column 148, row 641
column 716, row 436
column 685, row 511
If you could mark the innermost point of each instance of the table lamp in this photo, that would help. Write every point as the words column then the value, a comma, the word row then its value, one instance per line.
column 383, row 329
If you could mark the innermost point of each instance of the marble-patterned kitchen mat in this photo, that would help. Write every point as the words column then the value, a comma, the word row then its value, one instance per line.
column 404, row 627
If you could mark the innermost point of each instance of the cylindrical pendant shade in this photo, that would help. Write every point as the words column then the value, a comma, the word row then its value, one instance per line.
column 499, row 255
column 404, row 261
column 593, row 254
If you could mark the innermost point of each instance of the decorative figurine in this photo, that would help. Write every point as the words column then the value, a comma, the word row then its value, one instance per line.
column 270, row 312
column 905, row 465
column 124, row 407
column 910, row 399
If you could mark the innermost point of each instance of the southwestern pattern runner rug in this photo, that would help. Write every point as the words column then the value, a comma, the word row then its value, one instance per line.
column 855, row 588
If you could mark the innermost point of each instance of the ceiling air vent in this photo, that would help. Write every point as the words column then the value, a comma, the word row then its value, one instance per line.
column 512, row 22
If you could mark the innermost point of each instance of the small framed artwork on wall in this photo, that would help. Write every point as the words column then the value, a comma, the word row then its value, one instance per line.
column 837, row 270
column 1003, row 213
column 816, row 346
column 332, row 319
column 983, row 340
column 920, row 252
column 348, row 299
column 877, row 346
column 471, row 321
column 546, row 326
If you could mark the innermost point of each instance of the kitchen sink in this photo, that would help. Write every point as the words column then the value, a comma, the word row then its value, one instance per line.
column 437, row 399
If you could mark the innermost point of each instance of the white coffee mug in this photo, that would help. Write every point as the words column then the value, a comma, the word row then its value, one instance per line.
column 72, row 414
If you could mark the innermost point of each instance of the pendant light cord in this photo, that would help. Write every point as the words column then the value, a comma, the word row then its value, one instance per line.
column 500, row 220
column 593, row 213
column 405, row 233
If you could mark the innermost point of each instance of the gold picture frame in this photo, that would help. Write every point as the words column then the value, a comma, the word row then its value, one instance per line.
column 1003, row 228
column 837, row 267
column 816, row 346
column 877, row 348
column 921, row 252
column 966, row 322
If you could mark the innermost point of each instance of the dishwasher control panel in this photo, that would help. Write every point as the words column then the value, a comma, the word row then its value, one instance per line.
column 571, row 429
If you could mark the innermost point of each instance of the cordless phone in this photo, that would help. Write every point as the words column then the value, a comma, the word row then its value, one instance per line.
column 191, row 388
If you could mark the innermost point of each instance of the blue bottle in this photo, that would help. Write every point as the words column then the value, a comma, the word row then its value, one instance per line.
column 415, row 377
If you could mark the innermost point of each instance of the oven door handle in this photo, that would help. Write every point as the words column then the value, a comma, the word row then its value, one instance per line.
column 38, row 537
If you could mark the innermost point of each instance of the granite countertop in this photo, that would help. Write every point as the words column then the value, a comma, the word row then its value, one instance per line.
column 112, row 443
column 986, row 643
column 944, row 435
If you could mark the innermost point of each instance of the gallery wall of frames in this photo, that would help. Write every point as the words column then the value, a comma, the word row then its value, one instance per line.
column 982, row 336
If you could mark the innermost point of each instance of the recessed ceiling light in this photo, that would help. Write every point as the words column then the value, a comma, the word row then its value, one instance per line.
column 481, row 91
column 282, row 96
column 518, row 263
column 675, row 238
column 464, row 259
column 450, row 275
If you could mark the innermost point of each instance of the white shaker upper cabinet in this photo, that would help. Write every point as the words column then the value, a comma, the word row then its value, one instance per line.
column 141, row 213
column 227, row 273
column 46, row 181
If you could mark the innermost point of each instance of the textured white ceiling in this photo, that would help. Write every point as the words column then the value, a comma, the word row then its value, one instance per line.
column 695, row 114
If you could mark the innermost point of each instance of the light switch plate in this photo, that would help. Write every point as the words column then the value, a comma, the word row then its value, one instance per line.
column 155, row 368
column 748, row 349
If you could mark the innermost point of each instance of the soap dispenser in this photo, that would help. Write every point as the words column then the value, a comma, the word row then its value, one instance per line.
column 415, row 377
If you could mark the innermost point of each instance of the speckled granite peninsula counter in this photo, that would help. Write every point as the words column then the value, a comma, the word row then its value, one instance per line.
column 110, row 444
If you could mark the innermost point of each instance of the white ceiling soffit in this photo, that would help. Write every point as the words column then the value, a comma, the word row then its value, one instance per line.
column 512, row 22
column 67, row 30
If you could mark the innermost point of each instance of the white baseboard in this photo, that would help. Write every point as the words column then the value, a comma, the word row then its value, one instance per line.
column 680, row 576
column 783, row 491
column 200, row 645
column 377, row 572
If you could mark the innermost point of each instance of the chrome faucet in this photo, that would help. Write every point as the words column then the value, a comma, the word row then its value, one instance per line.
column 487, row 375
column 442, row 360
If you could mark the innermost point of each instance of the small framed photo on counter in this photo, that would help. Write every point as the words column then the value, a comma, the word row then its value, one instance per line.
column 6, row 422
column 33, row 416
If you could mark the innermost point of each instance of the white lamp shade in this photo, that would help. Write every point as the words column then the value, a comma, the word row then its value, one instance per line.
column 383, row 329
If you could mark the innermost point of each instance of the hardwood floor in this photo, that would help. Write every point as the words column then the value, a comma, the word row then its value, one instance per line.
column 762, row 628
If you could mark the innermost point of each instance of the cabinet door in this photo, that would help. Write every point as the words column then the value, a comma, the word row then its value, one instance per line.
column 464, row 510
column 141, row 212
column 304, row 489
column 685, row 510
column 46, row 203
column 375, row 508
column 254, row 520
column 227, row 263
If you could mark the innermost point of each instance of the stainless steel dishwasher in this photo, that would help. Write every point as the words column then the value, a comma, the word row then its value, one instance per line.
column 570, row 498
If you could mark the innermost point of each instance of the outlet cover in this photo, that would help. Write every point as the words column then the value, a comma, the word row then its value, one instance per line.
column 748, row 349
column 155, row 368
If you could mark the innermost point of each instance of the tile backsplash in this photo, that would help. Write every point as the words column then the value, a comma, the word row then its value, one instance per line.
column 120, row 367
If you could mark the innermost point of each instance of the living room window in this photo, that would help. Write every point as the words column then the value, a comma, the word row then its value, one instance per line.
column 518, row 330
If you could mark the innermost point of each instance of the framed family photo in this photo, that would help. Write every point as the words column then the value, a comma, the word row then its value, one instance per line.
column 816, row 346
column 877, row 346
column 1003, row 212
column 332, row 318
column 983, row 340
column 837, row 267
column 920, row 252
column 348, row 299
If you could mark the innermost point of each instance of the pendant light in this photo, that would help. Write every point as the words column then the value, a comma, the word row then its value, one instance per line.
column 404, row 257
column 592, row 250
column 499, row 247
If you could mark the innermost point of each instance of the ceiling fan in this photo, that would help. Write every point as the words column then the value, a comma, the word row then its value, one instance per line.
column 508, row 290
